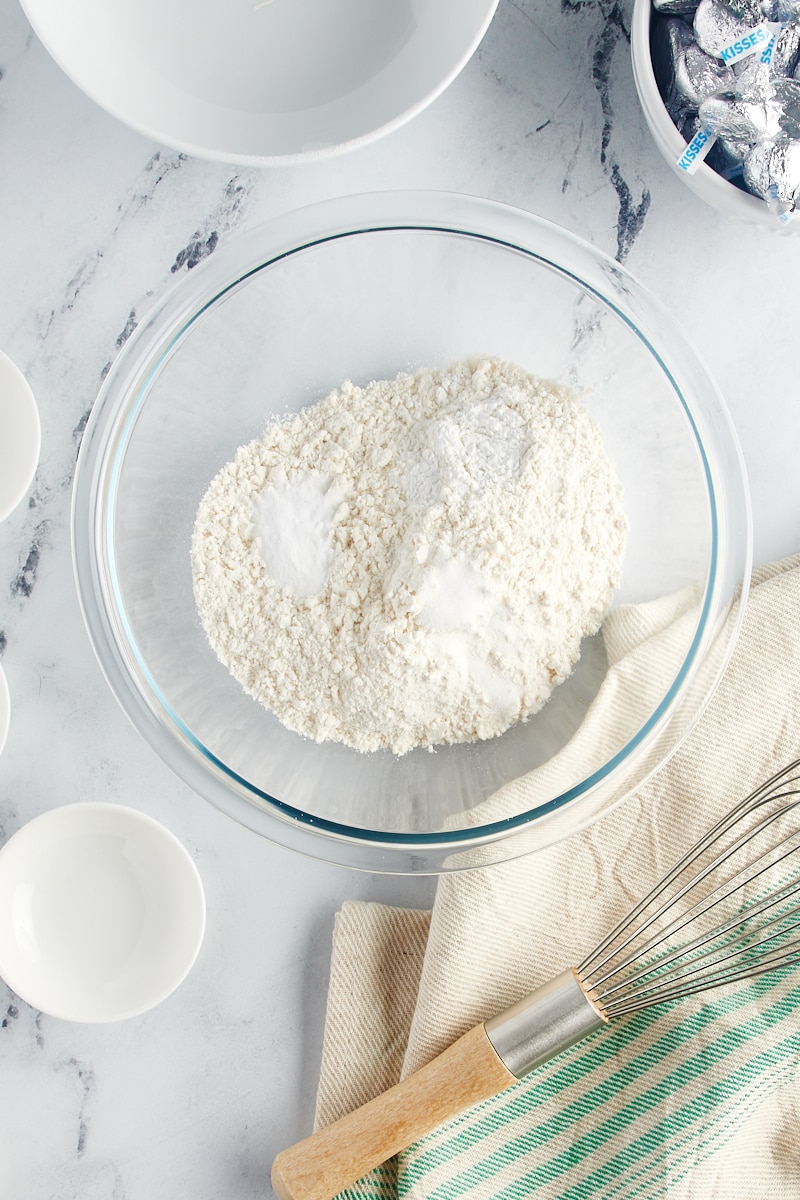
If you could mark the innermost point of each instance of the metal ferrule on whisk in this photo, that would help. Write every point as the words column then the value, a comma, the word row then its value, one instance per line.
column 555, row 1016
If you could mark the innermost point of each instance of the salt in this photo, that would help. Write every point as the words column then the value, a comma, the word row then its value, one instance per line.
column 466, row 613
column 452, row 595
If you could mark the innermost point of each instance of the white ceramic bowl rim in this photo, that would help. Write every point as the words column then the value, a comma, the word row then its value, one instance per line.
column 93, row 499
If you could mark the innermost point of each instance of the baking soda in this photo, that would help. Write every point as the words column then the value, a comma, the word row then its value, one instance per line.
column 414, row 562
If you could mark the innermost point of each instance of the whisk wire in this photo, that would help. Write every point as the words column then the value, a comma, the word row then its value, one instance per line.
column 663, row 996
column 682, row 961
column 639, row 962
column 723, row 891
column 750, row 957
column 762, row 795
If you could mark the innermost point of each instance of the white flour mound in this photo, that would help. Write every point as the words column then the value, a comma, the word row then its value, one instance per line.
column 414, row 562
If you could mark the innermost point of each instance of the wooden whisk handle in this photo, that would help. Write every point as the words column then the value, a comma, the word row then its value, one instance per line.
column 326, row 1162
column 480, row 1064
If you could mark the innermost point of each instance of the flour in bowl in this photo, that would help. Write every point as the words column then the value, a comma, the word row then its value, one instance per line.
column 414, row 562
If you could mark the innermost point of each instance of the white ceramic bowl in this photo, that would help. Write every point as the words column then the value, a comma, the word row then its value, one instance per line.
column 102, row 912
column 262, row 82
column 705, row 182
column 20, row 436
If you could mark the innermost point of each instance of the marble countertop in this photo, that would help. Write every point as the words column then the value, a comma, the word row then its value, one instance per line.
column 196, row 1097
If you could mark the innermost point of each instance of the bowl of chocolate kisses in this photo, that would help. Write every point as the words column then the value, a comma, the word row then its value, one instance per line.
column 719, row 85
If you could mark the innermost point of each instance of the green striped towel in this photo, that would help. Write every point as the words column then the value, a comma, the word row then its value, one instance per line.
column 695, row 1101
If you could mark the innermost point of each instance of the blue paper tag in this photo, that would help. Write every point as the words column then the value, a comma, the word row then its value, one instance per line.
column 752, row 42
column 761, row 39
column 696, row 151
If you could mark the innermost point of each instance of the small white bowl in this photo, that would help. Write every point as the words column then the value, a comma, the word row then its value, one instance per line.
column 262, row 82
column 705, row 182
column 102, row 912
column 20, row 436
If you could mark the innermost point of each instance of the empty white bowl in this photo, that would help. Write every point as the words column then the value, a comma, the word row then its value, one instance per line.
column 102, row 912
column 263, row 81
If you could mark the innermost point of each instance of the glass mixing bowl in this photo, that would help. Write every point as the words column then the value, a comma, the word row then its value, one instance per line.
column 361, row 288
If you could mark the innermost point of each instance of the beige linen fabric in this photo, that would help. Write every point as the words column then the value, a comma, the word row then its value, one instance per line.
column 696, row 1101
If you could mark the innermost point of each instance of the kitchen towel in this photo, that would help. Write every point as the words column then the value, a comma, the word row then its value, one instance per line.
column 697, row 1100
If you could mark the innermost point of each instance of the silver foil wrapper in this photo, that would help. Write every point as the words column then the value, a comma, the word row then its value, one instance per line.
column 772, row 171
column 781, row 10
column 786, row 55
column 749, row 11
column 698, row 75
column 716, row 27
column 787, row 96
column 671, row 38
column 739, row 120
column 676, row 8
column 690, row 126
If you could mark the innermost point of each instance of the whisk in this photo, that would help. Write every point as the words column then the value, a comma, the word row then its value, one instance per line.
column 728, row 910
